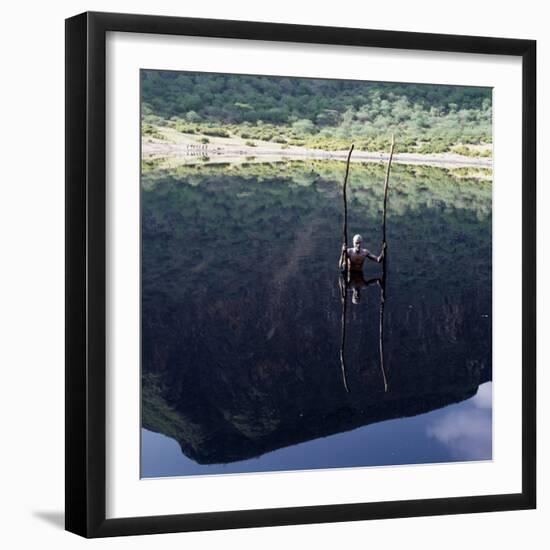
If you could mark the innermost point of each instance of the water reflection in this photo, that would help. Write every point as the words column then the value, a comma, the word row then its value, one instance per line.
column 249, row 344
column 352, row 282
column 406, row 440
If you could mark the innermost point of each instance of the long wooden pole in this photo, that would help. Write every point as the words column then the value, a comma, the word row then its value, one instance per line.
column 386, row 187
column 384, row 267
column 345, row 199
column 344, row 281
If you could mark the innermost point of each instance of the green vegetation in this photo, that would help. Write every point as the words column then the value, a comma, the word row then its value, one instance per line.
column 152, row 131
column 159, row 416
column 322, row 114
column 469, row 152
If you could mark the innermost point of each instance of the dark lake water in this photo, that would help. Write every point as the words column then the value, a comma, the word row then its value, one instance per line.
column 257, row 356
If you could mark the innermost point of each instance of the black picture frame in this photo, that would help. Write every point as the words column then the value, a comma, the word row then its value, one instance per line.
column 86, row 274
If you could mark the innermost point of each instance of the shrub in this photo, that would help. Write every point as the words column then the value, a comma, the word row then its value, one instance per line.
column 219, row 132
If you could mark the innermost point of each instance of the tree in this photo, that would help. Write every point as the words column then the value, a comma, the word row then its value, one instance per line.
column 304, row 126
column 192, row 116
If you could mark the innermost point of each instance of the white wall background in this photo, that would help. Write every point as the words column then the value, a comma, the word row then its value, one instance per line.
column 32, row 272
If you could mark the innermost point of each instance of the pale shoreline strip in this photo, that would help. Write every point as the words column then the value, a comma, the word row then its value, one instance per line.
column 216, row 153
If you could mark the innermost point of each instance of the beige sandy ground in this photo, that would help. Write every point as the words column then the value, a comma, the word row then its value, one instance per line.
column 188, row 149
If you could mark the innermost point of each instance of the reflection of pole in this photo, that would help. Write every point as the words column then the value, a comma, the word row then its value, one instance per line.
column 384, row 266
column 386, row 186
column 344, row 288
column 381, row 330
column 345, row 199
column 343, row 283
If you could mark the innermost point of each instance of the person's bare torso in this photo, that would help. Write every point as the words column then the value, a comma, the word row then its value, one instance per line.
column 357, row 259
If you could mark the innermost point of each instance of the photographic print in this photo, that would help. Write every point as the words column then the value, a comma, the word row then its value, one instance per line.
column 316, row 273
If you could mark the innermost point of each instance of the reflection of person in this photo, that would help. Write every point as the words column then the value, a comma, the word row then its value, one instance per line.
column 356, row 255
column 355, row 281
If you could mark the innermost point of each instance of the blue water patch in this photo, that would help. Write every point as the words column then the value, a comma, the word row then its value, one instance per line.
column 460, row 432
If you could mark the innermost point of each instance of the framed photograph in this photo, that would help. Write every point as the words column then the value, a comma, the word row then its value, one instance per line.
column 300, row 274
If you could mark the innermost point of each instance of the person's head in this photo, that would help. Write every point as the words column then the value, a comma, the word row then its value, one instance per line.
column 357, row 242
